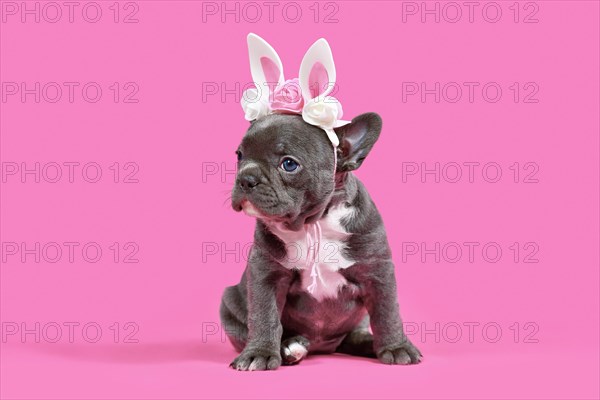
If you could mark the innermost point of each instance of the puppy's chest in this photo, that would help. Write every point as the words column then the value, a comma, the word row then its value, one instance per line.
column 319, row 252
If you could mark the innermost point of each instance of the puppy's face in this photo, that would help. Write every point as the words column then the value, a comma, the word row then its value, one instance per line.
column 286, row 166
column 285, row 170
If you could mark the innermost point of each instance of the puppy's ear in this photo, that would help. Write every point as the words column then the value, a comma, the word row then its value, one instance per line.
column 356, row 140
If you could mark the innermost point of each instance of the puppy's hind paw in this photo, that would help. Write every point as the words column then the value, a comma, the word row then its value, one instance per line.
column 402, row 354
column 294, row 350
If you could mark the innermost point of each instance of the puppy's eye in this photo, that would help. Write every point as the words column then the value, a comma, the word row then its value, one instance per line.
column 289, row 165
column 239, row 155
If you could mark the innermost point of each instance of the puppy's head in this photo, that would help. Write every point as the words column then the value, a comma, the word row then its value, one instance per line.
column 286, row 166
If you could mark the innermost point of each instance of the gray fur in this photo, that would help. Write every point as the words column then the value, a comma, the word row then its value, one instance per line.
column 269, row 306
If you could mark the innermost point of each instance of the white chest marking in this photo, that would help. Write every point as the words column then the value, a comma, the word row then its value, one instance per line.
column 326, row 250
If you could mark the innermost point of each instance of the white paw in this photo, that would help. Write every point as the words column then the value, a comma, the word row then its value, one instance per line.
column 293, row 352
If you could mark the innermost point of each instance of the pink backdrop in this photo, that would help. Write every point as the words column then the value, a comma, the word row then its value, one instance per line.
column 498, row 274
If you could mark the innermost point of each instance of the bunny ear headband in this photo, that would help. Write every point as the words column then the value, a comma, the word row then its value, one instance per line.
column 307, row 95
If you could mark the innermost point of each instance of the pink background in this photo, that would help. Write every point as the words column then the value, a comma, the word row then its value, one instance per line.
column 179, row 209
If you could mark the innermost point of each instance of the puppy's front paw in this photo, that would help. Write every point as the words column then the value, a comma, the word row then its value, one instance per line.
column 405, row 353
column 256, row 360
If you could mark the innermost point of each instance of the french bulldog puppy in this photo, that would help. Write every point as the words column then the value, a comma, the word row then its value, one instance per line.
column 306, row 202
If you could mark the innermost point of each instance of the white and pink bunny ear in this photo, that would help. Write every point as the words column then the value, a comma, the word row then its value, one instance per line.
column 265, row 64
column 317, row 71
column 317, row 80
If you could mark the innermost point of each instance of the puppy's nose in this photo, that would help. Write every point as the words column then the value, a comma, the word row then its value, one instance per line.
column 248, row 181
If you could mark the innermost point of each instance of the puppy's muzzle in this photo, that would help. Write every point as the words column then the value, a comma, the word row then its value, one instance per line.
column 248, row 181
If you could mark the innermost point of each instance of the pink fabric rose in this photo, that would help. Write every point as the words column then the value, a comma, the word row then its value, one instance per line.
column 288, row 97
